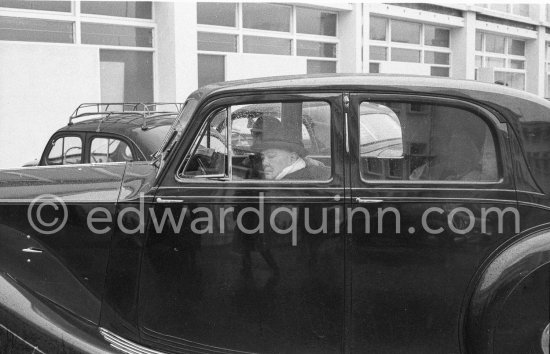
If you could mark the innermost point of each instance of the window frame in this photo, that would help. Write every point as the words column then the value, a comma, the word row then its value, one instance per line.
column 496, row 126
column 333, row 99
column 55, row 137
column 137, row 154
column 293, row 35
column 508, row 58
column 422, row 47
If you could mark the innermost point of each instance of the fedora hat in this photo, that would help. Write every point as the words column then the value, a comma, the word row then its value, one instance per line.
column 269, row 133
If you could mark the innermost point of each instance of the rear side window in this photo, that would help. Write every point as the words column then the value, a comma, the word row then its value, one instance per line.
column 65, row 151
column 109, row 150
column 425, row 142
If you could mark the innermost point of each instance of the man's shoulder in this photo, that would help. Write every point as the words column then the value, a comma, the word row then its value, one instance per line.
column 320, row 173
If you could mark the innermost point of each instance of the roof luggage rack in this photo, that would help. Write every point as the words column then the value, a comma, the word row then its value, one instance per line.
column 140, row 109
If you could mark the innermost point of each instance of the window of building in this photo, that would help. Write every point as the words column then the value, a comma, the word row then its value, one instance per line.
column 316, row 49
column 313, row 21
column 424, row 142
column 131, row 9
column 266, row 45
column 217, row 42
column 516, row 9
column 216, row 13
column 378, row 27
column 211, row 69
column 409, row 42
column 504, row 56
column 35, row 30
column 128, row 36
column 275, row 29
column 57, row 6
column 321, row 67
column 405, row 32
column 267, row 17
column 126, row 76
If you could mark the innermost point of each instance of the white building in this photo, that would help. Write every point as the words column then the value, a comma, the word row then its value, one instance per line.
column 56, row 55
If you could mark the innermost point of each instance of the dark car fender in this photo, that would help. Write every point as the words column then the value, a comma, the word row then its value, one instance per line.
column 40, row 326
column 529, row 255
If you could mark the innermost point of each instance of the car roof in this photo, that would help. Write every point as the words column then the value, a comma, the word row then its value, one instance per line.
column 120, row 123
column 350, row 82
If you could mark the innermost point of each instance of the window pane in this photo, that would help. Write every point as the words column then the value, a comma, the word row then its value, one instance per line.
column 548, row 51
column 132, row 9
column 378, row 53
column 210, row 154
column 514, row 80
column 217, row 42
column 479, row 37
column 479, row 61
column 60, row 6
column 421, row 141
column 320, row 66
column 521, row 9
column 126, row 76
column 266, row 45
column 32, row 30
column 281, row 141
column 312, row 21
column 266, row 17
column 407, row 55
column 211, row 69
column 216, row 13
column 378, row 28
column 516, row 47
column 438, row 71
column 495, row 62
column 517, row 64
column 374, row 68
column 316, row 49
column 494, row 44
column 104, row 150
column 405, row 32
column 93, row 33
column 435, row 36
column 436, row 58
column 499, row 7
column 65, row 151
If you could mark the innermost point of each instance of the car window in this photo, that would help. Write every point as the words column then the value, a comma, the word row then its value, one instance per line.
column 104, row 149
column 209, row 155
column 422, row 141
column 65, row 151
column 268, row 141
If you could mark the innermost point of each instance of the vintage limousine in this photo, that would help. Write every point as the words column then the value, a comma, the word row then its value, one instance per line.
column 305, row 214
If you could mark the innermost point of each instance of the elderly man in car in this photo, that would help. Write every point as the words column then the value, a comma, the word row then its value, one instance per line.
column 283, row 153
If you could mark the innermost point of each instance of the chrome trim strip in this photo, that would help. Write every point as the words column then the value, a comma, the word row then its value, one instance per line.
column 535, row 205
column 35, row 348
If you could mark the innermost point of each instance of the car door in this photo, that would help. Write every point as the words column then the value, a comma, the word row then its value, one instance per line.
column 247, row 264
column 433, row 196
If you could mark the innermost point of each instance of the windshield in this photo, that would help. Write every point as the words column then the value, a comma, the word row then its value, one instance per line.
column 177, row 129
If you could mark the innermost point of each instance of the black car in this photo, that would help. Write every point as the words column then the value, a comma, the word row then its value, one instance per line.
column 110, row 132
column 304, row 214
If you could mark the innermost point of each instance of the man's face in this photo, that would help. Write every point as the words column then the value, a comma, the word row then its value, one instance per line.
column 275, row 160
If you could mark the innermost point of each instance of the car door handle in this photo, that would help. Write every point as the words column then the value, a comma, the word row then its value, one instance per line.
column 32, row 250
column 368, row 201
column 160, row 200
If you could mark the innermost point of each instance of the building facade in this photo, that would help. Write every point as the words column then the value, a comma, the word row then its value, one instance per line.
column 55, row 55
